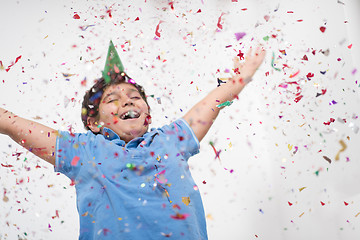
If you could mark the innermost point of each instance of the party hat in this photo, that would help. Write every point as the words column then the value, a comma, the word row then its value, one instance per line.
column 113, row 63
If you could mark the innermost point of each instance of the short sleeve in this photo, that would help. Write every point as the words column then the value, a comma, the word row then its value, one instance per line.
column 183, row 137
column 70, row 152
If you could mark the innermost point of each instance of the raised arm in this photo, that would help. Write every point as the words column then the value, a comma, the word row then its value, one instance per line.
column 35, row 137
column 203, row 114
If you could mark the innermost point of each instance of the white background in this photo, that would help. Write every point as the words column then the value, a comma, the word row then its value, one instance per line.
column 273, row 145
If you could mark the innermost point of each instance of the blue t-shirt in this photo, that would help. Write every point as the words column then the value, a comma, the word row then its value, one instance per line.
column 141, row 190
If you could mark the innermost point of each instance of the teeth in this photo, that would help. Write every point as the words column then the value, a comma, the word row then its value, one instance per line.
column 130, row 114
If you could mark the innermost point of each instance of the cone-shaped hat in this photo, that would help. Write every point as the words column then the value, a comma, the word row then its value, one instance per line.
column 113, row 63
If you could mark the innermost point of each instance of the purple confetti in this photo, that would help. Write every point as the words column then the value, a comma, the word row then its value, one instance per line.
column 239, row 35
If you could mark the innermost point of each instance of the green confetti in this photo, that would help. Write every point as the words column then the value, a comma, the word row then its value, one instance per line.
column 227, row 103
column 266, row 38
column 272, row 62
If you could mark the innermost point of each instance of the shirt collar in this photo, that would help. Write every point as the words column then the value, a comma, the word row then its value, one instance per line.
column 145, row 140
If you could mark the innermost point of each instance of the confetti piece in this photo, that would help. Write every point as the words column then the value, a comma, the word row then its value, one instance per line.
column 157, row 33
column 180, row 216
column 327, row 159
column 357, row 214
column 272, row 62
column 239, row 35
column 322, row 29
column 83, row 28
column 301, row 214
column 295, row 74
column 219, row 21
column 227, row 103
column 346, row 203
column 241, row 55
column 75, row 161
column 6, row 165
column 16, row 60
column 186, row 200
column 350, row 46
column 329, row 122
column 266, row 38
column 300, row 189
column 322, row 203
column 76, row 16
column 217, row 153
column 343, row 145
column 290, row 147
column 290, row 204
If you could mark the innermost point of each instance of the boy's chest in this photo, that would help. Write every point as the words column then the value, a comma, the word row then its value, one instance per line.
column 145, row 163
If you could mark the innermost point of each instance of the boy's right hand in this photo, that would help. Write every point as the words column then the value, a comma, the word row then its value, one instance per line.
column 35, row 137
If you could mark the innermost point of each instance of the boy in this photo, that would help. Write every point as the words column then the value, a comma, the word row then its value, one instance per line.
column 131, row 183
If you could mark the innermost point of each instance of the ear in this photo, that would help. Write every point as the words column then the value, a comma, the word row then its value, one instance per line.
column 93, row 124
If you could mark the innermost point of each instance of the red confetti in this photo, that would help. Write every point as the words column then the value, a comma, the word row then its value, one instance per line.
column 76, row 16
column 16, row 60
column 346, row 203
column 171, row 5
column 243, row 9
column 331, row 121
column 6, row 165
column 75, row 161
column 157, row 33
column 309, row 76
column 322, row 203
column 300, row 20
column 180, row 216
column 305, row 58
column 241, row 55
column 219, row 22
column 322, row 29
column 297, row 99
column 199, row 11
column 290, row 203
column 290, row 12
column 350, row 46
column 137, row 19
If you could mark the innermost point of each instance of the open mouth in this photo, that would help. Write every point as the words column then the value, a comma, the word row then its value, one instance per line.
column 129, row 115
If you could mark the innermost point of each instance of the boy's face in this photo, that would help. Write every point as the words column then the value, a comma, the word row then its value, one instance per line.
column 123, row 110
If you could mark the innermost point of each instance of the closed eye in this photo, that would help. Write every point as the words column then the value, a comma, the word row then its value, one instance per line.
column 135, row 98
column 112, row 100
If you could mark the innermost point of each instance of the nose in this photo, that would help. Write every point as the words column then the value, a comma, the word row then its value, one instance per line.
column 128, row 102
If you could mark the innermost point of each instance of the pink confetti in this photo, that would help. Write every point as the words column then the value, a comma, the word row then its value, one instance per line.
column 239, row 35
column 75, row 161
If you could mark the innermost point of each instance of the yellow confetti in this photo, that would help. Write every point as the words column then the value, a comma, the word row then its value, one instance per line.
column 357, row 214
column 301, row 214
column 209, row 216
column 46, row 36
column 342, row 143
column 290, row 147
column 300, row 189
column 119, row 219
column 85, row 214
column 186, row 200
